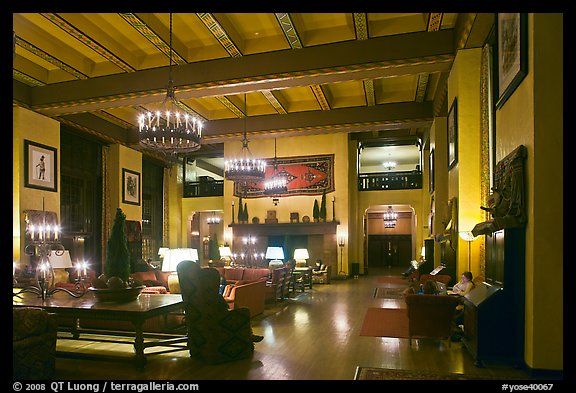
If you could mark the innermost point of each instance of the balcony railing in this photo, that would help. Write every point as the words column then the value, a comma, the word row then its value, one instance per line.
column 195, row 189
column 390, row 181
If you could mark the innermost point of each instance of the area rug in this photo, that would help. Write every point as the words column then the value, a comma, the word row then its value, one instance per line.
column 380, row 374
column 385, row 322
column 389, row 293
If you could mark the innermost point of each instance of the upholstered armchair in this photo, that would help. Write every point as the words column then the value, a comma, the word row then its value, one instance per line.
column 33, row 343
column 322, row 275
column 431, row 316
column 215, row 333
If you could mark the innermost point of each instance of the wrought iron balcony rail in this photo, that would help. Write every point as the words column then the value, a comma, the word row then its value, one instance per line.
column 390, row 181
column 195, row 189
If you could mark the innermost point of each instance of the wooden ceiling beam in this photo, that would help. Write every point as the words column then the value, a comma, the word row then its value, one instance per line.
column 369, row 59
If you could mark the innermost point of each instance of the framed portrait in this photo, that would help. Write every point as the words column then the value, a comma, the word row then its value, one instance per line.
column 453, row 134
column 431, row 171
column 512, row 54
column 130, row 187
column 40, row 169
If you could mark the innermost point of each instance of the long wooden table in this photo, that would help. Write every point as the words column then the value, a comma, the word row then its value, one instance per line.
column 137, row 311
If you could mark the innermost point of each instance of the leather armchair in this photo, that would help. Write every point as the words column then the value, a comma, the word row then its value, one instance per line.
column 431, row 316
column 322, row 275
column 215, row 333
column 33, row 343
column 251, row 295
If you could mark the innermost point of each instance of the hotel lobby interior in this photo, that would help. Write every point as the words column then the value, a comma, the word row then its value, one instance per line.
column 326, row 165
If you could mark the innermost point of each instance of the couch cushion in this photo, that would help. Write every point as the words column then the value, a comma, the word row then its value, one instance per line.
column 144, row 276
column 255, row 274
column 234, row 274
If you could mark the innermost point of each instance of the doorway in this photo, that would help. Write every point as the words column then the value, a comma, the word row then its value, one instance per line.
column 389, row 251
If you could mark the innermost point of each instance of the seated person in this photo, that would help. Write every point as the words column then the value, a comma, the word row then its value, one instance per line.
column 430, row 288
column 463, row 286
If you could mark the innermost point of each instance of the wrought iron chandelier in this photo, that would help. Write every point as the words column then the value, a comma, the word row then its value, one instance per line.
column 277, row 184
column 171, row 129
column 390, row 217
column 244, row 167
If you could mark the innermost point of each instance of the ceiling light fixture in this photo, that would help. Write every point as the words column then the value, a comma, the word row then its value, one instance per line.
column 244, row 167
column 390, row 217
column 389, row 165
column 277, row 184
column 170, row 129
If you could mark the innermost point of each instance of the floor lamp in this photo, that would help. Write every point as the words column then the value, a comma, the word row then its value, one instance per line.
column 469, row 237
column 341, row 242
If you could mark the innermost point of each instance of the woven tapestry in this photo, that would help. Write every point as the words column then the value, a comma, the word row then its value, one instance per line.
column 309, row 175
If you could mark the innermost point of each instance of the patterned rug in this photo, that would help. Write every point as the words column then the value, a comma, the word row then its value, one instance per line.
column 380, row 374
column 389, row 293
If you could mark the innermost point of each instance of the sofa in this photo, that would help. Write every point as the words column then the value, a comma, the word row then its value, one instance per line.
column 431, row 316
column 33, row 344
column 251, row 295
column 240, row 275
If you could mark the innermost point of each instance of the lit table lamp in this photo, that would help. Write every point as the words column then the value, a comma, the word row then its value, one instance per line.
column 300, row 256
column 172, row 258
column 276, row 254
column 162, row 252
column 225, row 253
column 59, row 263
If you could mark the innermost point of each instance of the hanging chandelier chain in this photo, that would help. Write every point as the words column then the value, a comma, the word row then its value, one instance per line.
column 171, row 129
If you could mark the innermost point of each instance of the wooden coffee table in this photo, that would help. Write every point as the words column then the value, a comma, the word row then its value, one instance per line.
column 137, row 311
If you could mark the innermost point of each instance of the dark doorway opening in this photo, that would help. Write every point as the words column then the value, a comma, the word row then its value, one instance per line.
column 389, row 250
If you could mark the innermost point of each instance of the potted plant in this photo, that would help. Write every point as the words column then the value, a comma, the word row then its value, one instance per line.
column 316, row 211
column 240, row 211
column 322, row 212
column 115, row 284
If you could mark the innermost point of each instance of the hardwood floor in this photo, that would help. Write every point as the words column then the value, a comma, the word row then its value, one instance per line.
column 312, row 336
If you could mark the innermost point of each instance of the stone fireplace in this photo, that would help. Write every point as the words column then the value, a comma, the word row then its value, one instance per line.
column 318, row 237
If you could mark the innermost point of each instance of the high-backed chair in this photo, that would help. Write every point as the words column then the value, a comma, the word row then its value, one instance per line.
column 431, row 316
column 215, row 333
column 33, row 343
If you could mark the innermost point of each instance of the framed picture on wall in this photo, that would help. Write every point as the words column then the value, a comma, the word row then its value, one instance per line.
column 431, row 171
column 512, row 54
column 40, row 169
column 130, row 187
column 453, row 134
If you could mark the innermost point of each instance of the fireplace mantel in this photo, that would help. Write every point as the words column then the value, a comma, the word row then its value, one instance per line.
column 287, row 228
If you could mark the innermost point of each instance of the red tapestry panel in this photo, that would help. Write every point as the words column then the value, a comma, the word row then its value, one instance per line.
column 309, row 175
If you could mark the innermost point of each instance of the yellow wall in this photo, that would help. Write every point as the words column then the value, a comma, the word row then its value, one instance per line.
column 124, row 157
column 28, row 125
column 464, row 177
column 336, row 144
column 532, row 116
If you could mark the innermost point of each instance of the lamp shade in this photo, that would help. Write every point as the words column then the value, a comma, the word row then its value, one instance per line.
column 274, row 253
column 225, row 252
column 301, row 253
column 174, row 256
column 60, row 261
column 467, row 235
